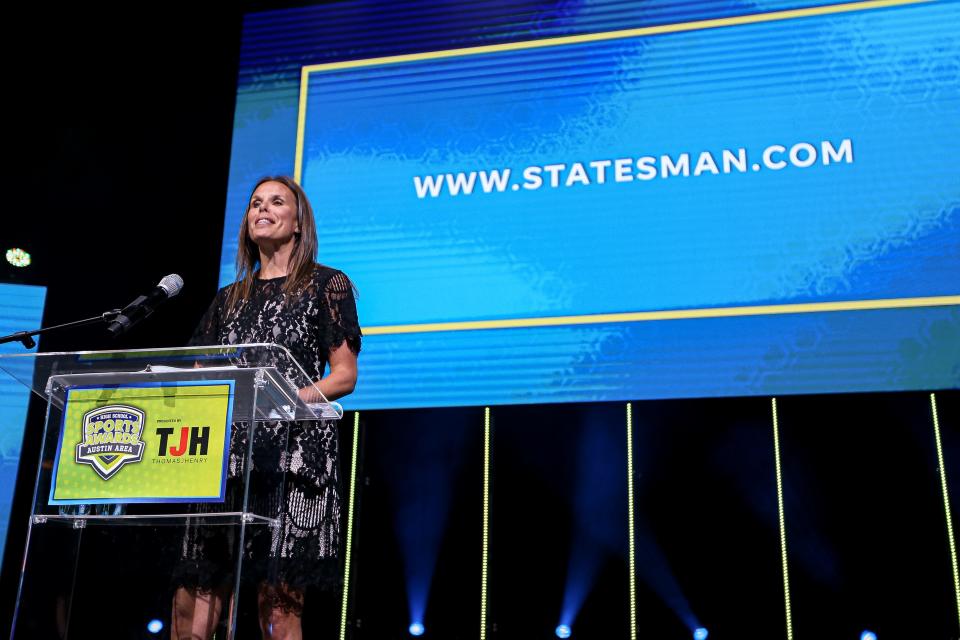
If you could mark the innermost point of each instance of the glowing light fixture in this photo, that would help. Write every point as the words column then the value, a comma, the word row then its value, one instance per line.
column 630, row 543
column 563, row 631
column 353, row 491
column 946, row 501
column 155, row 626
column 868, row 635
column 700, row 634
column 783, row 525
column 485, row 544
column 18, row 257
column 416, row 629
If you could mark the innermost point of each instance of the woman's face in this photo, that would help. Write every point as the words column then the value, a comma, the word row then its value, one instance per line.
column 272, row 215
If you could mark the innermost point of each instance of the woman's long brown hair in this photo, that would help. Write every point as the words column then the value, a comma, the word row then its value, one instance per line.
column 302, row 259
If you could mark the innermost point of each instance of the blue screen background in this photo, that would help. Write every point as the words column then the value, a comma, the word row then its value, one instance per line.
column 21, row 308
column 881, row 227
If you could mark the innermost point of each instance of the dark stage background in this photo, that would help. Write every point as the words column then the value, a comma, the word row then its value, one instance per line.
column 117, row 148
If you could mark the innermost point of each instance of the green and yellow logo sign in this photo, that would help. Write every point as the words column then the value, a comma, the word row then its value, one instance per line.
column 146, row 443
column 111, row 439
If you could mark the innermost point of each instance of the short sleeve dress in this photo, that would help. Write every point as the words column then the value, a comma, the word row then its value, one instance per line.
column 303, row 550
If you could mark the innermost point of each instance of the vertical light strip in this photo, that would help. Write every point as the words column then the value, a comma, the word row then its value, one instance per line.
column 486, row 523
column 630, row 542
column 783, row 527
column 946, row 502
column 350, row 501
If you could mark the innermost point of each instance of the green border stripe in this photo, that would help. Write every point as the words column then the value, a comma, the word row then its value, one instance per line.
column 946, row 502
column 485, row 545
column 630, row 540
column 350, row 502
column 783, row 526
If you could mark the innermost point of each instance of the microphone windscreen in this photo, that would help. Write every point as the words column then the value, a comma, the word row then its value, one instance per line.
column 171, row 284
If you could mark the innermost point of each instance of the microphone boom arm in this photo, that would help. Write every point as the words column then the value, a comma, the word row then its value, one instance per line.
column 26, row 337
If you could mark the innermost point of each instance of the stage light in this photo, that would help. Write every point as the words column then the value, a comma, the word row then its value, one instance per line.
column 783, row 526
column 563, row 631
column 700, row 634
column 353, row 493
column 485, row 546
column 18, row 257
column 416, row 629
column 631, row 546
column 155, row 626
column 868, row 635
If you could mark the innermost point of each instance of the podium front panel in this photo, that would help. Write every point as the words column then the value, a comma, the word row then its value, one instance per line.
column 147, row 482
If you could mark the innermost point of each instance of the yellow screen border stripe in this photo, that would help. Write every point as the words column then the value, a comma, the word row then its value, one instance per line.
column 676, row 314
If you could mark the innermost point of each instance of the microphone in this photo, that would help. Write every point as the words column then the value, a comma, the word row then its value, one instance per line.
column 144, row 305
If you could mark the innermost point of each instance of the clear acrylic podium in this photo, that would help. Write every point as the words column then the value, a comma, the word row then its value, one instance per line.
column 112, row 540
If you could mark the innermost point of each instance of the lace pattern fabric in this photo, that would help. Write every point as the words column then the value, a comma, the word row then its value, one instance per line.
column 304, row 549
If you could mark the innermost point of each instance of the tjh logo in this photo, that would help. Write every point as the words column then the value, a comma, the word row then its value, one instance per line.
column 111, row 439
column 198, row 438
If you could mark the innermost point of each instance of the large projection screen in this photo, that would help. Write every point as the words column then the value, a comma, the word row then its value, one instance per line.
column 566, row 202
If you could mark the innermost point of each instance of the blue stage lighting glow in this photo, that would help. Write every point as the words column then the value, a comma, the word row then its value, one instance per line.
column 416, row 629
column 155, row 626
column 563, row 631
column 868, row 635
column 700, row 634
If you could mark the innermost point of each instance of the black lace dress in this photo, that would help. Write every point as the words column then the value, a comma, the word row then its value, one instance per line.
column 303, row 551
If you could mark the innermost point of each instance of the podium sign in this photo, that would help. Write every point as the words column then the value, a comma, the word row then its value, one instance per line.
column 148, row 442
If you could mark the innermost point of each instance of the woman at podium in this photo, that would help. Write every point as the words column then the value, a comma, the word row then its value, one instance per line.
column 281, row 295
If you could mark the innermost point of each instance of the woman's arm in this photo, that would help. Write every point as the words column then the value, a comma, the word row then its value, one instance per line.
column 342, row 377
column 339, row 326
